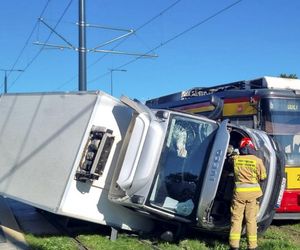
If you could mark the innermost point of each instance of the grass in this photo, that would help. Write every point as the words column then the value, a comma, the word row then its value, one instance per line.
column 50, row 242
column 282, row 235
column 101, row 242
column 276, row 238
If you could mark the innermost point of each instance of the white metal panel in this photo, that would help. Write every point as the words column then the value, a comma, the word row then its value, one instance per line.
column 133, row 152
column 281, row 83
column 90, row 203
column 89, row 200
column 40, row 135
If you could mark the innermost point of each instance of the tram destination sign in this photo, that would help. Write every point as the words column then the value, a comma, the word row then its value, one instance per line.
column 284, row 105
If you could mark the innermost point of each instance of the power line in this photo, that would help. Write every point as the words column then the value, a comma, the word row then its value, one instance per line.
column 118, row 44
column 27, row 41
column 30, row 35
column 49, row 36
column 142, row 26
column 174, row 37
column 200, row 23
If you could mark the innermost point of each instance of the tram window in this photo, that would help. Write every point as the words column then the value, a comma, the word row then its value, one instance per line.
column 290, row 145
column 296, row 143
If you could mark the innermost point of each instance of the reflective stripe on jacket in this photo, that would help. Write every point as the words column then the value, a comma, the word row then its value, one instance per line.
column 248, row 171
column 246, row 187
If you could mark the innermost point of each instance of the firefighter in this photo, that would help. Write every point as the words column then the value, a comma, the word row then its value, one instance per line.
column 249, row 170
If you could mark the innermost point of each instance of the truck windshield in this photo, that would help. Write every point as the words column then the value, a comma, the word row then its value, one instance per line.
column 282, row 121
column 184, row 157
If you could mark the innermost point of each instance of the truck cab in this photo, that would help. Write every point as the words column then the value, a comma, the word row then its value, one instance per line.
column 187, row 177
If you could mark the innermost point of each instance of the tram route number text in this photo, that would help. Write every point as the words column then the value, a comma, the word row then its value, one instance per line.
column 292, row 107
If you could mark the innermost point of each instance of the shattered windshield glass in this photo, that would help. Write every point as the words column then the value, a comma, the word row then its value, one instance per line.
column 186, row 151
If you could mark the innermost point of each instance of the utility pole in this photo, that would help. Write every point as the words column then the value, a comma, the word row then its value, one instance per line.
column 111, row 78
column 82, row 47
column 5, row 76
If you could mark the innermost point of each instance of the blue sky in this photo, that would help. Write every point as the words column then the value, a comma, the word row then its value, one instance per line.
column 253, row 38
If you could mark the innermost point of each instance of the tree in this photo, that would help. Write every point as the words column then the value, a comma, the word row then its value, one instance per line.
column 291, row 76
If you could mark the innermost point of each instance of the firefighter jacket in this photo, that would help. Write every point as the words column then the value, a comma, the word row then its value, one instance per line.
column 249, row 170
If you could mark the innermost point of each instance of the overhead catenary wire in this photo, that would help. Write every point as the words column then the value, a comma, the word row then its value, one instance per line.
column 35, row 26
column 30, row 35
column 174, row 37
column 141, row 27
column 42, row 48
column 162, row 12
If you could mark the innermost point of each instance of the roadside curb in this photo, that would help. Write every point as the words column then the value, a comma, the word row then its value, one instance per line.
column 12, row 234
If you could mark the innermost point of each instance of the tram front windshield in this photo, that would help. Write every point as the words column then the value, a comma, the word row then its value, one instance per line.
column 182, row 163
column 282, row 121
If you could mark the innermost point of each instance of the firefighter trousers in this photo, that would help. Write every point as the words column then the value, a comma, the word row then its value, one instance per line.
column 240, row 207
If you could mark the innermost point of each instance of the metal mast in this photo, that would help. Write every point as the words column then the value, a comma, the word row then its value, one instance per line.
column 111, row 78
column 5, row 76
column 82, row 48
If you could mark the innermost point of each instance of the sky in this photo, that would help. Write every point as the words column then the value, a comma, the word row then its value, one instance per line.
column 197, row 43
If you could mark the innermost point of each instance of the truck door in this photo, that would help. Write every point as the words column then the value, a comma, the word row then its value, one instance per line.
column 215, row 201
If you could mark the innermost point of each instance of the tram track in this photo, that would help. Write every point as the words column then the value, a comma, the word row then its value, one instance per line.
column 149, row 243
column 70, row 232
column 56, row 222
